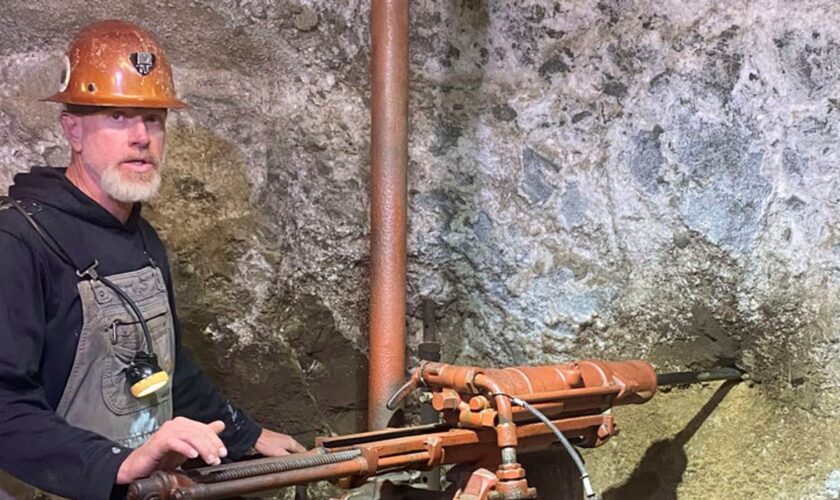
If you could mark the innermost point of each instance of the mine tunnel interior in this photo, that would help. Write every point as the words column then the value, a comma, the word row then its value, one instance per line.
column 584, row 180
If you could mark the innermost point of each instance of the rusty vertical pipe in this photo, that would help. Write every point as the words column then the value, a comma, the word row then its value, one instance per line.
column 389, row 160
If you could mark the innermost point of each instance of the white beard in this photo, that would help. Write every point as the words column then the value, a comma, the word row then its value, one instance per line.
column 130, row 187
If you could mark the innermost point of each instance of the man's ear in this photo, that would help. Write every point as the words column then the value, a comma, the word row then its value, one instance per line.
column 72, row 126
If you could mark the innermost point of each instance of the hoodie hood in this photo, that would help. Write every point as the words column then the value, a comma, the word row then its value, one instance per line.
column 50, row 186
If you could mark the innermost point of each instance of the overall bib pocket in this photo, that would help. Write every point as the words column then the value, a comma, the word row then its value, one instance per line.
column 126, row 339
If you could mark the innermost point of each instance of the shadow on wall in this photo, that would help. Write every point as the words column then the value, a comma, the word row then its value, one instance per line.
column 661, row 469
column 273, row 349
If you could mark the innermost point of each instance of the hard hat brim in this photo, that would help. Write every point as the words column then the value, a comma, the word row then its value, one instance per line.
column 118, row 101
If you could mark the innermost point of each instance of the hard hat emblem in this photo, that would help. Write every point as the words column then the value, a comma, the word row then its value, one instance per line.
column 143, row 62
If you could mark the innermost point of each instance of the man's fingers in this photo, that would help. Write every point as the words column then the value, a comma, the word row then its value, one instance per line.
column 191, row 444
column 295, row 447
column 180, row 447
column 274, row 444
column 208, row 444
column 176, row 441
column 195, row 438
column 217, row 425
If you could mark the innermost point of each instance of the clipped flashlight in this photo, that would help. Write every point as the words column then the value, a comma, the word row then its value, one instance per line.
column 145, row 375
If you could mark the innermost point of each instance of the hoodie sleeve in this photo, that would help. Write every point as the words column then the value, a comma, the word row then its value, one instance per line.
column 196, row 397
column 38, row 446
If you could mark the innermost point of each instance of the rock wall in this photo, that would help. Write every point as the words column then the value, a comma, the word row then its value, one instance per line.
column 611, row 178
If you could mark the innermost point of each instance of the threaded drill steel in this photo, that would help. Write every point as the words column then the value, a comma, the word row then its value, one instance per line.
column 285, row 465
column 677, row 378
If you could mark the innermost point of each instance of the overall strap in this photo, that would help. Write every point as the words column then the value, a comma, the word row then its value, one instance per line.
column 51, row 243
column 90, row 271
column 144, row 242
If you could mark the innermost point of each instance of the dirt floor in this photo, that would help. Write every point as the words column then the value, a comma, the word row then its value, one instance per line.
column 717, row 441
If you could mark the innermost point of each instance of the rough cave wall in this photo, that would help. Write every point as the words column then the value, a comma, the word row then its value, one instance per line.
column 587, row 179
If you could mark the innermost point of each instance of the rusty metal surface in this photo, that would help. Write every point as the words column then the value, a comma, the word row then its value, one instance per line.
column 462, row 393
column 631, row 377
column 263, row 466
column 262, row 483
column 161, row 485
column 389, row 160
column 478, row 430
column 419, row 451
column 479, row 486
column 103, row 69
column 178, row 486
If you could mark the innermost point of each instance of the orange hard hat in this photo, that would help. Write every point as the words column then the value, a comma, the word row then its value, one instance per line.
column 116, row 63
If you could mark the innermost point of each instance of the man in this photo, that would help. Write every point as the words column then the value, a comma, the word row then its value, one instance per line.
column 96, row 389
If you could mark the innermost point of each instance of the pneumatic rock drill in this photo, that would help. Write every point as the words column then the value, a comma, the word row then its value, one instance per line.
column 487, row 417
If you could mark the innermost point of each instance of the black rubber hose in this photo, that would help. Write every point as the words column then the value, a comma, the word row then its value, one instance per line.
column 90, row 271
column 133, row 306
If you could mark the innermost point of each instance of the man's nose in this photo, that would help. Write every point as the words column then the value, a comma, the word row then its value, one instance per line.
column 139, row 132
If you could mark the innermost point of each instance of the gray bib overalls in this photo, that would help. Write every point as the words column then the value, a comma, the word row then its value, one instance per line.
column 97, row 395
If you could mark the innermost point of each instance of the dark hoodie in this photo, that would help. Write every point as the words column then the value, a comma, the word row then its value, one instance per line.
column 40, row 321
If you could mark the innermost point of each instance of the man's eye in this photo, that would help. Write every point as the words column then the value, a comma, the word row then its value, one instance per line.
column 117, row 115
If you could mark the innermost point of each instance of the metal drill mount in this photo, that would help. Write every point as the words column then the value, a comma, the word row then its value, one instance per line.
column 479, row 398
column 478, row 426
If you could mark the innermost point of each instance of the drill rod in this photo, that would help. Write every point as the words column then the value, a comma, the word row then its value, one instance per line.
column 677, row 378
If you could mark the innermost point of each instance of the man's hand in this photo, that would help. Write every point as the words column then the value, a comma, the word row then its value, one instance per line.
column 176, row 441
column 274, row 444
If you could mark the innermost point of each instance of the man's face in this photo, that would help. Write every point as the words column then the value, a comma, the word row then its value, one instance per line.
column 122, row 150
